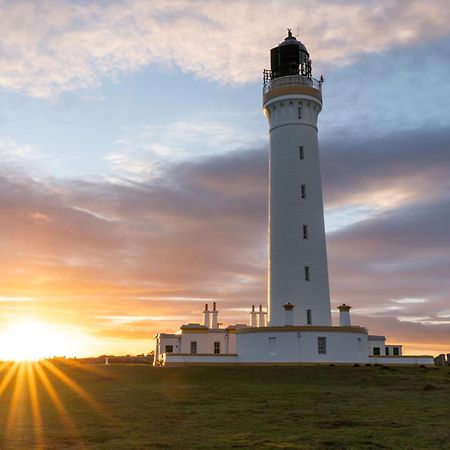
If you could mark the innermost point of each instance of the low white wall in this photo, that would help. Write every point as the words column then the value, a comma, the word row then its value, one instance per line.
column 403, row 360
column 188, row 358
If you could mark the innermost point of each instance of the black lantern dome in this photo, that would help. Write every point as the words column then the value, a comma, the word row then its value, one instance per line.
column 290, row 58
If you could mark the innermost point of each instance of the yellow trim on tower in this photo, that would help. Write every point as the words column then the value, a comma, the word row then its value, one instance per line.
column 289, row 90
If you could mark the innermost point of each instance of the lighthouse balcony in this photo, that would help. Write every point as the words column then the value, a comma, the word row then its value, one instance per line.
column 291, row 84
column 271, row 82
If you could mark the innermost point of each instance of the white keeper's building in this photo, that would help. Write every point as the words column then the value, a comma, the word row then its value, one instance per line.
column 297, row 326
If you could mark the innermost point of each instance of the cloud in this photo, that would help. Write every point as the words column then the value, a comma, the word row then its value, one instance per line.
column 48, row 48
column 383, row 93
column 148, row 152
column 18, row 154
column 159, row 247
column 365, row 177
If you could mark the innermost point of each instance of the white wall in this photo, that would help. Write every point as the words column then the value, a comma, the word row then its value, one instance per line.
column 301, row 346
column 205, row 341
column 402, row 360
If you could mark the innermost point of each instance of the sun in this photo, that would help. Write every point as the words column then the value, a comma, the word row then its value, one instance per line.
column 31, row 340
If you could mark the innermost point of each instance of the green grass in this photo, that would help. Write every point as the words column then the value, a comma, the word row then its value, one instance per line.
column 238, row 407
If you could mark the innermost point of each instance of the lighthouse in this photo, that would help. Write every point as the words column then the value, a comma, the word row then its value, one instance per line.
column 297, row 266
column 297, row 327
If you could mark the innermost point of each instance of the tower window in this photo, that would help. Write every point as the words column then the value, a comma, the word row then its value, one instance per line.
column 169, row 348
column 322, row 345
column 193, row 347
column 301, row 150
column 308, row 317
column 305, row 231
column 216, row 347
column 395, row 351
column 303, row 189
column 306, row 273
column 387, row 351
column 299, row 112
column 376, row 351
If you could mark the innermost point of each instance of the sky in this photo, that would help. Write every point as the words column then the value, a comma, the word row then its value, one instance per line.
column 134, row 163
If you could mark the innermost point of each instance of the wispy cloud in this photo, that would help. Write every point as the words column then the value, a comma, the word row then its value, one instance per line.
column 17, row 154
column 148, row 152
column 16, row 299
column 49, row 47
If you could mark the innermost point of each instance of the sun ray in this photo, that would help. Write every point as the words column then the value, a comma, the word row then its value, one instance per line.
column 4, row 366
column 35, row 406
column 71, row 384
column 17, row 396
column 68, row 423
column 8, row 377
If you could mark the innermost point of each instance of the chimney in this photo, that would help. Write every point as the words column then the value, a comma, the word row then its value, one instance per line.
column 253, row 317
column 214, row 317
column 206, row 317
column 344, row 315
column 261, row 317
column 288, row 314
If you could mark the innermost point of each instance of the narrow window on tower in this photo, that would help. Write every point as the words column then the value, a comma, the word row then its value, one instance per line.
column 193, row 347
column 301, row 152
column 303, row 189
column 305, row 231
column 216, row 347
column 322, row 345
column 299, row 112
column 308, row 317
column 306, row 273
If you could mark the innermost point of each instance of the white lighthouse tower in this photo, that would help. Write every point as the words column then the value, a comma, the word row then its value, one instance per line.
column 297, row 328
column 298, row 272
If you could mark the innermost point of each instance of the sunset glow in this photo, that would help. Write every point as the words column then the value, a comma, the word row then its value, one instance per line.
column 134, row 167
column 29, row 340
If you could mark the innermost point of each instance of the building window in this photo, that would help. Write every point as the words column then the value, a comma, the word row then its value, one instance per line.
column 272, row 346
column 193, row 347
column 305, row 231
column 376, row 351
column 299, row 112
column 308, row 316
column 387, row 351
column 303, row 190
column 306, row 273
column 169, row 348
column 395, row 351
column 216, row 347
column 302, row 152
column 322, row 345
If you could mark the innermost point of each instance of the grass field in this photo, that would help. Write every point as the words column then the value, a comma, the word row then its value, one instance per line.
column 140, row 407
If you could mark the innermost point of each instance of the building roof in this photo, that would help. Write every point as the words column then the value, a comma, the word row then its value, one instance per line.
column 373, row 337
